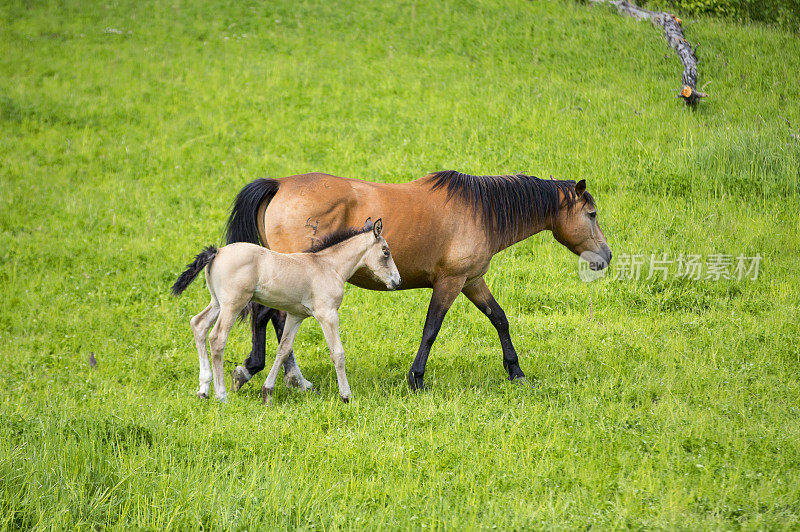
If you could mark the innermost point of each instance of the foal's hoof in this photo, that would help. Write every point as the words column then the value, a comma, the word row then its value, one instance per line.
column 239, row 377
column 415, row 382
column 202, row 395
column 266, row 395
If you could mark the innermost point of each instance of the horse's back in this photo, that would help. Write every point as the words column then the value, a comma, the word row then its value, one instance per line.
column 309, row 206
column 420, row 226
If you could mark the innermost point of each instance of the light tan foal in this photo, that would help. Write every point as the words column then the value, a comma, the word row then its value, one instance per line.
column 302, row 284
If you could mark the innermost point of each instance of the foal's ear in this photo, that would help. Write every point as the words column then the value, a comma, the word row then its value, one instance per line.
column 368, row 224
column 378, row 229
column 580, row 187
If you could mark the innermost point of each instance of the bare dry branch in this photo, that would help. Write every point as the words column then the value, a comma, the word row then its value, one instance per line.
column 674, row 35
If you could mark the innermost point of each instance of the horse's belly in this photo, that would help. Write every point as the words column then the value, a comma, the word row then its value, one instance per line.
column 408, row 281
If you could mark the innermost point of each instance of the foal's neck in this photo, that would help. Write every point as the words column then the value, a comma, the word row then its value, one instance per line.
column 346, row 257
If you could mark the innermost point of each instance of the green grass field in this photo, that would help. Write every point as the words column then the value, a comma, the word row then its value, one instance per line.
column 127, row 128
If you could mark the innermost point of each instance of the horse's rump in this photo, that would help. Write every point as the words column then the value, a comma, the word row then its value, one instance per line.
column 243, row 222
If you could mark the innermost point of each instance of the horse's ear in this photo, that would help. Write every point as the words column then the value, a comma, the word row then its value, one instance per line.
column 580, row 187
column 368, row 224
column 378, row 229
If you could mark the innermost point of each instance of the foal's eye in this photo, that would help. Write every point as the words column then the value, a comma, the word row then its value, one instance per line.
column 385, row 252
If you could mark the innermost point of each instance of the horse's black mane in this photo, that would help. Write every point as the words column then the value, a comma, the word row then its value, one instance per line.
column 507, row 201
column 336, row 237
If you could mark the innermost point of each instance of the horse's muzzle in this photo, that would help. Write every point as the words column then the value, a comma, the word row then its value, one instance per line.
column 598, row 261
column 602, row 260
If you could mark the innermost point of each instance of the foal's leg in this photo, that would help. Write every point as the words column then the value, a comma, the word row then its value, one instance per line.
column 480, row 295
column 259, row 318
column 330, row 327
column 284, row 349
column 292, row 376
column 445, row 292
column 255, row 362
column 200, row 326
column 218, row 338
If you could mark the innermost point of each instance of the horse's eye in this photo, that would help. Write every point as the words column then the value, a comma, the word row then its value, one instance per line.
column 385, row 252
column 593, row 215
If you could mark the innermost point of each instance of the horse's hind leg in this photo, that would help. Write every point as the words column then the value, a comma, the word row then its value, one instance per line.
column 200, row 326
column 218, row 338
column 292, row 376
column 259, row 318
column 255, row 362
column 480, row 295
column 284, row 349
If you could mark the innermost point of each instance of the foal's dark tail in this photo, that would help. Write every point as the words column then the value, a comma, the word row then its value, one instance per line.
column 200, row 261
column 242, row 222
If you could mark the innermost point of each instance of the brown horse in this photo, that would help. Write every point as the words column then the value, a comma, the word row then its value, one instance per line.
column 443, row 229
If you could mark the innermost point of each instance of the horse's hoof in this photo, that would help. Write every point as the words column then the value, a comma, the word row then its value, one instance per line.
column 298, row 383
column 266, row 395
column 202, row 395
column 345, row 399
column 239, row 377
column 514, row 372
column 416, row 382
column 524, row 381
column 223, row 398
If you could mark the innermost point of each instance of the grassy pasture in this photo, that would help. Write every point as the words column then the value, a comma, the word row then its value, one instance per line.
column 126, row 129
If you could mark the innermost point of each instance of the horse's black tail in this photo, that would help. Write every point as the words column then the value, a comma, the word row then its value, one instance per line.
column 242, row 222
column 200, row 261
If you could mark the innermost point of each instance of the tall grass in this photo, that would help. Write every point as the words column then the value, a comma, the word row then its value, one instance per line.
column 128, row 128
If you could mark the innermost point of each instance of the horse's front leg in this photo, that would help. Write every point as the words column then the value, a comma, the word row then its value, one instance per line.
column 479, row 294
column 284, row 350
column 445, row 291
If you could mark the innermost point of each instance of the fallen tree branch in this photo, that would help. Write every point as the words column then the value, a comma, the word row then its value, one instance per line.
column 674, row 35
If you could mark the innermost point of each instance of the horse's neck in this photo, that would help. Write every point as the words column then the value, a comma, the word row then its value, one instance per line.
column 526, row 231
column 346, row 257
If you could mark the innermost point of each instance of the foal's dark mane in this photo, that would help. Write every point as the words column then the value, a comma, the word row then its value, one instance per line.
column 507, row 201
column 337, row 237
